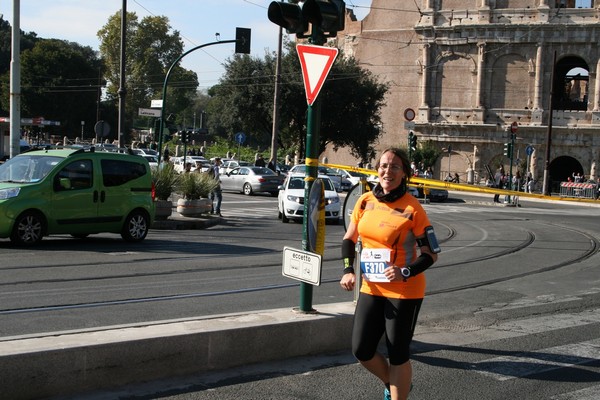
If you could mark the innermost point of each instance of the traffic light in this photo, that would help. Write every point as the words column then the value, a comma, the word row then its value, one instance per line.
column 288, row 16
column 242, row 40
column 184, row 136
column 327, row 15
column 508, row 149
column 412, row 141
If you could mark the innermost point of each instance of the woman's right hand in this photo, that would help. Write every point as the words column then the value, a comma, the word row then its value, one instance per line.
column 348, row 281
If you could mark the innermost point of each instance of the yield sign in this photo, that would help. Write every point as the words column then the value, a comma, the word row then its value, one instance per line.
column 316, row 61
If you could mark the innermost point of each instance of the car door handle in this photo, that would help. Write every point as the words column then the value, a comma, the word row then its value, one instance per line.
column 102, row 196
column 95, row 196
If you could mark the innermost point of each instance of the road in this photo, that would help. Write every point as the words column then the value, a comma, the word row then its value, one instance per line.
column 511, row 308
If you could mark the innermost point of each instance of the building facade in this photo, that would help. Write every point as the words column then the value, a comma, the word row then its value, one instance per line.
column 482, row 73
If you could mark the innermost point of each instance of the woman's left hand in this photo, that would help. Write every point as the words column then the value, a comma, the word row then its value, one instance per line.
column 392, row 273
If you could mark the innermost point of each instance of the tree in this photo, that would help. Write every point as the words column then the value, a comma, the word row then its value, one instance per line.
column 59, row 81
column 351, row 101
column 150, row 51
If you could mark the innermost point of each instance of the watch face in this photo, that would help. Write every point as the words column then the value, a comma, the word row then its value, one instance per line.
column 405, row 272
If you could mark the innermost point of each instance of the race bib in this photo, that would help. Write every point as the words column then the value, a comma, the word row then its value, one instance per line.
column 373, row 262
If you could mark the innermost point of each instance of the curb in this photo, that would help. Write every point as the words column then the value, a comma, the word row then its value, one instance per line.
column 78, row 362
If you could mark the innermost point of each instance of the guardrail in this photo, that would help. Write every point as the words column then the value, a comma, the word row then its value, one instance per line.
column 578, row 190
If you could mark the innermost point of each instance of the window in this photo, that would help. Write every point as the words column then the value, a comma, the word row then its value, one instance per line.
column 119, row 172
column 79, row 173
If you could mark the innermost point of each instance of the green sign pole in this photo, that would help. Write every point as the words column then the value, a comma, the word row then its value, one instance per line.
column 312, row 162
column 313, row 128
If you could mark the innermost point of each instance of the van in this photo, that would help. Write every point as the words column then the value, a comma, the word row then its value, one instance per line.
column 77, row 192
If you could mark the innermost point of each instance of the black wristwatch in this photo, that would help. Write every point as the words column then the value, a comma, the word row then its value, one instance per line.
column 405, row 272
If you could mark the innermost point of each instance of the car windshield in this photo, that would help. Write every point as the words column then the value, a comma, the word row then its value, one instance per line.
column 27, row 169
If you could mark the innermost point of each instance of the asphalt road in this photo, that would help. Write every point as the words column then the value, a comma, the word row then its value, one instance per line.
column 511, row 311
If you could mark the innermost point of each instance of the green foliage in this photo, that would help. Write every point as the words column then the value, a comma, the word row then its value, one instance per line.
column 351, row 103
column 165, row 180
column 427, row 153
column 151, row 50
column 196, row 185
column 59, row 81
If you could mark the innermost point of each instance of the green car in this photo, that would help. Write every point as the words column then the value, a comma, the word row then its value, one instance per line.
column 77, row 192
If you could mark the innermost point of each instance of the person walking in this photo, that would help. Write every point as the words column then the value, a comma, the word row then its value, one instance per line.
column 392, row 226
column 216, row 194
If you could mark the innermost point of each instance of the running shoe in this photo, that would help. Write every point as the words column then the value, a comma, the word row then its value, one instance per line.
column 387, row 395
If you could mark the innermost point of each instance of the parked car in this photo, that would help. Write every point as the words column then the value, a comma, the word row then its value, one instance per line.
column 335, row 177
column 229, row 165
column 437, row 194
column 152, row 160
column 350, row 178
column 77, row 192
column 250, row 180
column 290, row 201
column 145, row 152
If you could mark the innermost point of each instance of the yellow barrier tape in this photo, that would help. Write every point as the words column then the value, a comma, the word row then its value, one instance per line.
column 312, row 162
column 434, row 183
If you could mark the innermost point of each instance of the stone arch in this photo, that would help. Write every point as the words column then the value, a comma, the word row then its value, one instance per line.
column 571, row 84
column 562, row 167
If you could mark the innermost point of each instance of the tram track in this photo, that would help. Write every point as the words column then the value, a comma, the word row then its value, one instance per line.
column 592, row 248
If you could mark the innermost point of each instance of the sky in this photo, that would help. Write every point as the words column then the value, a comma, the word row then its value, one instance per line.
column 198, row 22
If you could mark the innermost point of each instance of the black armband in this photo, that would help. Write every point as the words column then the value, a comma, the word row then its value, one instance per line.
column 422, row 262
column 348, row 255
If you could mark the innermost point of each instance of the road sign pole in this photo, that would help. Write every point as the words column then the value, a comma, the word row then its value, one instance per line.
column 312, row 162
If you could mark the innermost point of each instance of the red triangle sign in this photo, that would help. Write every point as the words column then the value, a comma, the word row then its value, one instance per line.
column 316, row 61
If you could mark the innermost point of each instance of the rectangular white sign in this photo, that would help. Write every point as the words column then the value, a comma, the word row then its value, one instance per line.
column 148, row 112
column 156, row 103
column 302, row 265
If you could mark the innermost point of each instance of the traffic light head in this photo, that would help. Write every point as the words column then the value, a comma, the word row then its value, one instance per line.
column 288, row 16
column 326, row 15
column 242, row 40
column 329, row 16
column 508, row 149
column 412, row 141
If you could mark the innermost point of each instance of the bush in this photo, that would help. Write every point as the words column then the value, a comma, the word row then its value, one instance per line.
column 195, row 185
column 165, row 180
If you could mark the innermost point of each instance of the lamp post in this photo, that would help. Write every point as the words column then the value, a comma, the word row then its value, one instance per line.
column 82, row 125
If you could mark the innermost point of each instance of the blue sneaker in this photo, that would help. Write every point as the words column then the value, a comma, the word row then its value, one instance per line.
column 387, row 395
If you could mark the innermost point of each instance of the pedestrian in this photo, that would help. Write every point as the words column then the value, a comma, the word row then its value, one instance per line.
column 391, row 226
column 260, row 161
column 498, row 183
column 216, row 194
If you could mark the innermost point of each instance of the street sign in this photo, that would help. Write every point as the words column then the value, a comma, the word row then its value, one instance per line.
column 156, row 103
column 240, row 137
column 514, row 127
column 148, row 112
column 409, row 125
column 529, row 150
column 409, row 114
column 302, row 266
column 316, row 62
column 101, row 129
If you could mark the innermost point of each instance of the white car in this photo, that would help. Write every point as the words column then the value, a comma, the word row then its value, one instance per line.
column 229, row 165
column 351, row 176
column 290, row 202
column 335, row 177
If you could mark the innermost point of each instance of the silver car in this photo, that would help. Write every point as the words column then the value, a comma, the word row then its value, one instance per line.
column 250, row 180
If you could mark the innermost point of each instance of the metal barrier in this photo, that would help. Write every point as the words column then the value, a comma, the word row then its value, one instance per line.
column 582, row 190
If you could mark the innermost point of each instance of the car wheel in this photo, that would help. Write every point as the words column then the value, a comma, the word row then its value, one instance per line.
column 279, row 214
column 247, row 189
column 29, row 229
column 284, row 219
column 136, row 226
